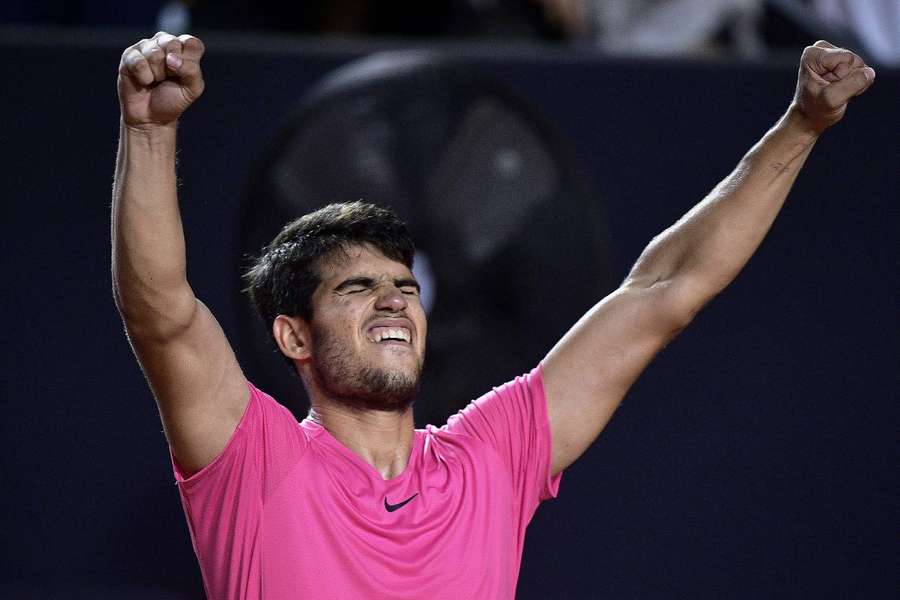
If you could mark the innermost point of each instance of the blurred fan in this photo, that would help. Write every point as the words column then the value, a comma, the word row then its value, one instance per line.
column 507, row 224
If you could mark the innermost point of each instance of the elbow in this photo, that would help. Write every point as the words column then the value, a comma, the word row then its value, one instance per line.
column 687, row 297
column 154, row 315
column 676, row 301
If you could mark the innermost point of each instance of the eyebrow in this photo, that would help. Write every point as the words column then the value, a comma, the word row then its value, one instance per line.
column 408, row 282
column 363, row 281
column 369, row 282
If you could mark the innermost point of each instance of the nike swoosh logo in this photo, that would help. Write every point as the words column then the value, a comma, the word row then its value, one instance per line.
column 392, row 507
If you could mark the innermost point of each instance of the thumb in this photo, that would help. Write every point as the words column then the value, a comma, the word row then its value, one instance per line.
column 188, row 73
column 853, row 84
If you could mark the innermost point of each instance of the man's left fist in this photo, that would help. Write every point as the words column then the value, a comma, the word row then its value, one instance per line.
column 829, row 76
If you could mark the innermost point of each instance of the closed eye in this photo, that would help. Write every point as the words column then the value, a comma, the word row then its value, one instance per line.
column 355, row 285
column 409, row 287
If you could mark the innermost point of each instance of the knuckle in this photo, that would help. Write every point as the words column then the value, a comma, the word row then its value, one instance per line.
column 132, row 48
column 134, row 60
column 173, row 45
column 153, row 54
column 194, row 44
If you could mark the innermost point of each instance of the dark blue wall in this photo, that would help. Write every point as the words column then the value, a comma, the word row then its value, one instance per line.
column 755, row 458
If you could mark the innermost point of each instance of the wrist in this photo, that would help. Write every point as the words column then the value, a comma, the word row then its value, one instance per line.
column 801, row 125
column 149, row 130
column 150, row 136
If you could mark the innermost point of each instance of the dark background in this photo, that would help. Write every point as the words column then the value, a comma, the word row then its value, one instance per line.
column 756, row 457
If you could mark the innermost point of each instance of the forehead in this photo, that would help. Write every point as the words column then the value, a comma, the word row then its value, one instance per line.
column 360, row 260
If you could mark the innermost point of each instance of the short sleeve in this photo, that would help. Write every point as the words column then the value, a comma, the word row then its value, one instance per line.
column 265, row 445
column 224, row 500
column 512, row 418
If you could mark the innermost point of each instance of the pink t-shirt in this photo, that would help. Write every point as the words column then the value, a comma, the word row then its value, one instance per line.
column 286, row 511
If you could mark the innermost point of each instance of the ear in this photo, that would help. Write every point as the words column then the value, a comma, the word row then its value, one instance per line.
column 292, row 335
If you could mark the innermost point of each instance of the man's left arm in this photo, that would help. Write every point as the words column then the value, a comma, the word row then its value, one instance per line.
column 588, row 372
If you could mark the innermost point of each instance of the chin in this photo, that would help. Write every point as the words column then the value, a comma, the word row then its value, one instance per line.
column 369, row 381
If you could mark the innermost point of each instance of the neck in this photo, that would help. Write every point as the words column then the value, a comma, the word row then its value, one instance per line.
column 383, row 439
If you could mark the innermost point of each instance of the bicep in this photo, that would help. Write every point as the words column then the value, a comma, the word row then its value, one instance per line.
column 199, row 386
column 587, row 374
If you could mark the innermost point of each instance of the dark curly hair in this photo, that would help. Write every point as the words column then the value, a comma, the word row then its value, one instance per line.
column 283, row 279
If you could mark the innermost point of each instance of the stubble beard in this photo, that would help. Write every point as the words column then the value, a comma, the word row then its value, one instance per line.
column 347, row 379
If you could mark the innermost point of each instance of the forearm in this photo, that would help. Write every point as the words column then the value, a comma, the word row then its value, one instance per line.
column 148, row 252
column 709, row 245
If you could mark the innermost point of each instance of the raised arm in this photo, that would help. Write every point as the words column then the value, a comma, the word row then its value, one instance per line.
column 189, row 364
column 588, row 372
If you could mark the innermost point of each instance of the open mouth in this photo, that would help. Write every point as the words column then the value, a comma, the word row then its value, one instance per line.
column 380, row 335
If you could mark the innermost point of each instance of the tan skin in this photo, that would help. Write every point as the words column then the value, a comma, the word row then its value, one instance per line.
column 355, row 296
column 199, row 386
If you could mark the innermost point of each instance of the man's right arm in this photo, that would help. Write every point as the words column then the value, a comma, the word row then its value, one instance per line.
column 189, row 364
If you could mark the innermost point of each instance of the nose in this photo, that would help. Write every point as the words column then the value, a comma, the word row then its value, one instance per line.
column 391, row 298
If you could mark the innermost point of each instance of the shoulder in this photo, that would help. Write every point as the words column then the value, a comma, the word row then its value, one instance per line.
column 519, row 400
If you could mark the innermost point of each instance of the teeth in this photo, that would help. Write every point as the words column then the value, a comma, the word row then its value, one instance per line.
column 390, row 333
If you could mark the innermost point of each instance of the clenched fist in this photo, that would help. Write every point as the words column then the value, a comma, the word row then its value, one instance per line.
column 159, row 78
column 829, row 76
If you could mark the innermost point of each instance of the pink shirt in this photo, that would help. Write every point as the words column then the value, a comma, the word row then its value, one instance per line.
column 287, row 511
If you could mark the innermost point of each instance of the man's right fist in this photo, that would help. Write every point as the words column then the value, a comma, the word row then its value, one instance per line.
column 159, row 78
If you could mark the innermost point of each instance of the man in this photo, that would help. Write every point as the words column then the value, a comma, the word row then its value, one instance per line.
column 353, row 502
